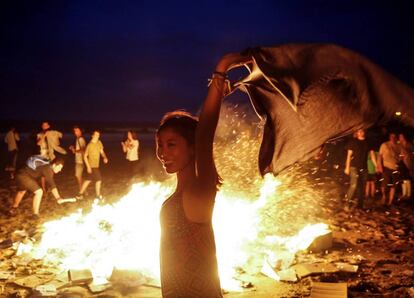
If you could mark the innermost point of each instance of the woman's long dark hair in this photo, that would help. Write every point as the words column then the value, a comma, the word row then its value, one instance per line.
column 185, row 125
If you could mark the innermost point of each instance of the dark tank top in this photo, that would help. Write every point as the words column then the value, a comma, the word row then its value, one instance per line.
column 187, row 254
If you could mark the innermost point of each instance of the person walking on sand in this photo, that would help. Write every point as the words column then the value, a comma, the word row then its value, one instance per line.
column 11, row 139
column 188, row 259
column 407, row 165
column 78, row 149
column 388, row 158
column 130, row 147
column 28, row 177
column 356, row 166
column 49, row 142
column 93, row 152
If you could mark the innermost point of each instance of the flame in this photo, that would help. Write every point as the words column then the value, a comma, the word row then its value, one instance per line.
column 249, row 219
column 126, row 235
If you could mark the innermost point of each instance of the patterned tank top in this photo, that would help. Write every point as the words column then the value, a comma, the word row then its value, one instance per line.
column 187, row 254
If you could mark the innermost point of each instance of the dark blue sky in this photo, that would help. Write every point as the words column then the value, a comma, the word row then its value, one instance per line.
column 135, row 60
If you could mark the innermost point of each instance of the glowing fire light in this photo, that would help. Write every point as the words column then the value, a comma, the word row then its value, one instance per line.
column 125, row 235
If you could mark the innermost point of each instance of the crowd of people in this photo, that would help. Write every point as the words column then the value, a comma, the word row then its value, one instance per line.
column 36, row 175
column 381, row 171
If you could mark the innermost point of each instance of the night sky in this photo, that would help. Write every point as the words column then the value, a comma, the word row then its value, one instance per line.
column 135, row 60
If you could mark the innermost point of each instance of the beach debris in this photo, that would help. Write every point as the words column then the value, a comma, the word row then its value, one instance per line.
column 303, row 270
column 329, row 290
column 32, row 281
column 6, row 243
column 60, row 281
column 99, row 287
column 288, row 275
column 24, row 248
column 7, row 275
column 321, row 243
column 8, row 252
column 76, row 292
column 82, row 276
column 345, row 267
column 19, row 235
column 268, row 270
column 127, row 278
column 45, row 291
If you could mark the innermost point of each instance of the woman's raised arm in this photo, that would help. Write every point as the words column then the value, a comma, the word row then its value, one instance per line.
column 205, row 168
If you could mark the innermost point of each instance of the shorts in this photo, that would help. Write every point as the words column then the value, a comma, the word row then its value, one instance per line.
column 25, row 182
column 94, row 176
column 79, row 169
column 371, row 177
column 391, row 177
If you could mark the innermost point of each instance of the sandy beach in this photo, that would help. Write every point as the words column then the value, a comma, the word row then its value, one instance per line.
column 379, row 241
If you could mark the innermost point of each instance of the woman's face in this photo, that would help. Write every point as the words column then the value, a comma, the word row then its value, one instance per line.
column 129, row 136
column 173, row 151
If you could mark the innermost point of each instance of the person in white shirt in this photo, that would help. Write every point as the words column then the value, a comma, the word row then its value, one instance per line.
column 79, row 150
column 388, row 158
column 11, row 139
column 49, row 142
column 130, row 147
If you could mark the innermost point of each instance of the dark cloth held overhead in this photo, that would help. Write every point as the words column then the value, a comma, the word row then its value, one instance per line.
column 313, row 93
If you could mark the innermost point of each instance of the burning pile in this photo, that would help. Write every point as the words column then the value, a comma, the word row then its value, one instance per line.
column 256, row 221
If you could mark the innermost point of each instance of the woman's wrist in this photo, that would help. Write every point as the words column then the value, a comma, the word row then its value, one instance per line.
column 219, row 75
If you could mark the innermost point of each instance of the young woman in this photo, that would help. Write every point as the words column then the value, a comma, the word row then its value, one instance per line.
column 185, row 148
column 130, row 147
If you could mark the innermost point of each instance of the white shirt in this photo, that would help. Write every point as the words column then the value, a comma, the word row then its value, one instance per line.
column 132, row 150
column 51, row 144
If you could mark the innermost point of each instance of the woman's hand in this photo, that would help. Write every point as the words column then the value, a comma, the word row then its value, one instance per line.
column 232, row 60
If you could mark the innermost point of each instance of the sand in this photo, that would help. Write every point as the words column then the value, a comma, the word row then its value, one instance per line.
column 380, row 241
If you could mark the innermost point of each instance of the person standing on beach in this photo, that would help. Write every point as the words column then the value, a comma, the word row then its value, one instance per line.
column 388, row 159
column 130, row 146
column 42, row 141
column 78, row 149
column 356, row 166
column 27, row 180
column 93, row 153
column 11, row 139
column 188, row 259
column 49, row 142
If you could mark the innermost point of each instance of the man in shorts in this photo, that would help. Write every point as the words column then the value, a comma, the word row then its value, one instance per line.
column 388, row 158
column 28, row 180
column 93, row 152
